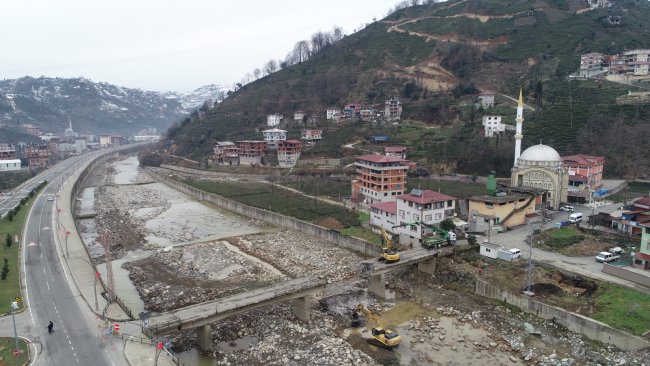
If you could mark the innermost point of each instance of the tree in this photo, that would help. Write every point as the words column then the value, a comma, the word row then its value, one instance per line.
column 471, row 239
column 5, row 270
column 447, row 224
column 10, row 216
column 257, row 73
column 271, row 67
column 8, row 241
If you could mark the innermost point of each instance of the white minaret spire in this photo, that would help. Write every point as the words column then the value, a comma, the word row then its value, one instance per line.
column 520, row 120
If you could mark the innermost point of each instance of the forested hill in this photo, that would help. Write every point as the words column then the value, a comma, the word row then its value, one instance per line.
column 436, row 58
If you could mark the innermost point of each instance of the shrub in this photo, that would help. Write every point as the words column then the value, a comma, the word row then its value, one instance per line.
column 471, row 239
column 8, row 241
column 5, row 270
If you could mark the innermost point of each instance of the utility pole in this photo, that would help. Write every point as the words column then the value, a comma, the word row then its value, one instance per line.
column 14, row 306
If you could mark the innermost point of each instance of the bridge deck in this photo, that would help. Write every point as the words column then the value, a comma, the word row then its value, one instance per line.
column 376, row 267
column 207, row 312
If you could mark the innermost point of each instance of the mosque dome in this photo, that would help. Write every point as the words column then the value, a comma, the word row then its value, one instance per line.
column 541, row 154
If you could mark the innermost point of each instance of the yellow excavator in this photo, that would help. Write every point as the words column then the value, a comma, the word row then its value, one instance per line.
column 388, row 251
column 381, row 337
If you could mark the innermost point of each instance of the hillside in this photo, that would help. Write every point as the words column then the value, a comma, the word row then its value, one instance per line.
column 94, row 108
column 437, row 58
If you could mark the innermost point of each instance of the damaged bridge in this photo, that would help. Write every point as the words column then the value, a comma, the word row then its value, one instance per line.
column 201, row 315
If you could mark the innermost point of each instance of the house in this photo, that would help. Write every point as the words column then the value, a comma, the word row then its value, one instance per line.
column 490, row 250
column 493, row 125
column 273, row 120
column 225, row 152
column 486, row 99
column 628, row 222
column 392, row 109
column 642, row 204
column 352, row 110
column 420, row 209
column 367, row 113
column 251, row 152
column 510, row 209
column 311, row 136
column 7, row 152
column 35, row 131
column 641, row 258
column 289, row 153
column 298, row 116
column 37, row 155
column 9, row 165
column 379, row 178
column 312, row 120
column 333, row 114
column 273, row 136
column 585, row 175
column 383, row 215
column 80, row 145
column 395, row 151
column 110, row 140
column 592, row 64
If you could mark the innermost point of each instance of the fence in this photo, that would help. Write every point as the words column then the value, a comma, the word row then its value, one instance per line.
column 274, row 218
column 591, row 328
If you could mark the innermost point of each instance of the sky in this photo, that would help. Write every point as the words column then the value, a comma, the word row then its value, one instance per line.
column 165, row 45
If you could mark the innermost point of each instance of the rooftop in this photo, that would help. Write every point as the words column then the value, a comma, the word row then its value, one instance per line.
column 498, row 199
column 582, row 159
column 426, row 196
column 390, row 207
column 394, row 148
column 380, row 159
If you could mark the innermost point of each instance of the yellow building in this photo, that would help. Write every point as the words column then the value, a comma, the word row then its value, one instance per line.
column 486, row 212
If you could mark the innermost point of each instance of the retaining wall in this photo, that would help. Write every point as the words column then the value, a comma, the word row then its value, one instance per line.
column 626, row 274
column 591, row 328
column 274, row 218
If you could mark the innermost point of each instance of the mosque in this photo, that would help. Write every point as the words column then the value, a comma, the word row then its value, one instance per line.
column 539, row 168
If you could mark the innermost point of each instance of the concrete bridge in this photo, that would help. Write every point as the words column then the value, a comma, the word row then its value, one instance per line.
column 374, row 270
column 201, row 315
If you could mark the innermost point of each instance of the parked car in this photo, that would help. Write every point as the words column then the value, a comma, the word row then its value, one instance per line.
column 567, row 208
column 50, row 198
column 575, row 218
column 607, row 257
column 616, row 250
column 516, row 253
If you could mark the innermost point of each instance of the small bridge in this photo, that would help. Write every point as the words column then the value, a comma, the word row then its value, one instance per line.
column 374, row 270
column 201, row 315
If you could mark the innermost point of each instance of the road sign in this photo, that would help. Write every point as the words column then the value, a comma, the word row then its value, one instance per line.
column 160, row 345
column 97, row 274
column 18, row 299
column 116, row 327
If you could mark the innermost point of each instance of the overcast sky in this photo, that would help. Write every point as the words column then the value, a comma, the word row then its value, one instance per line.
column 164, row 45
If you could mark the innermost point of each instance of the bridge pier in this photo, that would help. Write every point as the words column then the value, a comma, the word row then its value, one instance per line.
column 301, row 308
column 204, row 337
column 377, row 285
column 428, row 266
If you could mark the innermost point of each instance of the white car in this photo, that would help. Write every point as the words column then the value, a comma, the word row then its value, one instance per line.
column 566, row 208
column 50, row 198
column 516, row 253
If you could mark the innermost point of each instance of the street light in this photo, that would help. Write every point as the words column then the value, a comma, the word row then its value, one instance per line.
column 67, row 233
column 14, row 306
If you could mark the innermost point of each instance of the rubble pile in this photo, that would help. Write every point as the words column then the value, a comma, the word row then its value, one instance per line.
column 194, row 274
column 280, row 339
column 298, row 254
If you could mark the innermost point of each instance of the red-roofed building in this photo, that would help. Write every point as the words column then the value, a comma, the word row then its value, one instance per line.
column 585, row 172
column 379, row 178
column 421, row 206
column 486, row 99
column 251, row 152
column 395, row 151
column 383, row 215
column 289, row 153
column 642, row 204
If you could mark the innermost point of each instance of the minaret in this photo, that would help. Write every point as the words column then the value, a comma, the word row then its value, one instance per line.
column 519, row 132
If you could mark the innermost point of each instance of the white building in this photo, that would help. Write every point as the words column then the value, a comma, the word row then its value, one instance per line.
column 149, row 138
column 490, row 250
column 311, row 136
column 80, row 145
column 383, row 215
column 333, row 113
column 486, row 99
column 493, row 125
column 273, row 120
column 418, row 207
column 273, row 136
column 298, row 116
column 9, row 165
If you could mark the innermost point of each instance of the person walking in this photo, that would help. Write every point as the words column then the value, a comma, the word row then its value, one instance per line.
column 50, row 327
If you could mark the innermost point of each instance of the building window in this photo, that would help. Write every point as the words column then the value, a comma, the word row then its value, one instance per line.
column 438, row 216
column 401, row 213
column 414, row 228
column 427, row 218
column 416, row 217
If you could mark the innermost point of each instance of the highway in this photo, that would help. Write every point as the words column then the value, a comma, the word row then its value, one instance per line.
column 49, row 294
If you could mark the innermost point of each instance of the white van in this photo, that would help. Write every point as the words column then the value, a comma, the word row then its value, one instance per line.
column 516, row 253
column 575, row 218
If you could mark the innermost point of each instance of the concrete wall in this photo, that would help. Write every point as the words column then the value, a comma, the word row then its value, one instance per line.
column 625, row 273
column 209, row 173
column 275, row 219
column 591, row 328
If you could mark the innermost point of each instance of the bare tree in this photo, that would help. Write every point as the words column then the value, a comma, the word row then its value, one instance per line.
column 337, row 34
column 271, row 67
column 301, row 50
column 257, row 73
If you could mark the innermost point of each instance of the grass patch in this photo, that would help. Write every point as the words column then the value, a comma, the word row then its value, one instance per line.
column 10, row 287
column 362, row 233
column 275, row 199
column 7, row 346
column 316, row 186
column 563, row 237
column 622, row 308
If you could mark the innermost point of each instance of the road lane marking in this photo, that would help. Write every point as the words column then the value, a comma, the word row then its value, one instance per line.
column 48, row 285
column 69, row 341
column 43, row 269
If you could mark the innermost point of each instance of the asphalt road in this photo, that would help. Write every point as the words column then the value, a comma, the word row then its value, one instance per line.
column 77, row 338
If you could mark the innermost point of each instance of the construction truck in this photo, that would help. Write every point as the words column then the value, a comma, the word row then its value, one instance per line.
column 381, row 337
column 388, row 251
column 440, row 237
